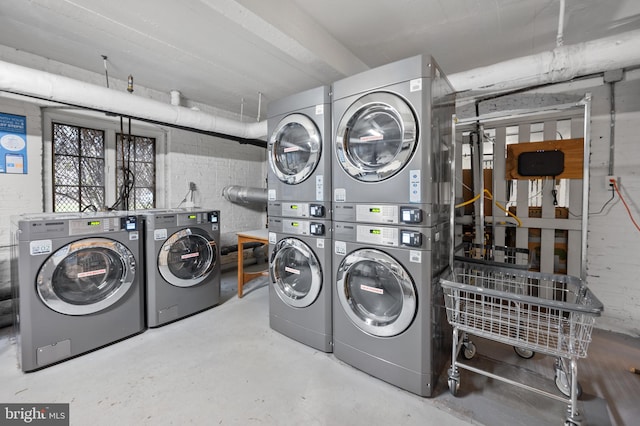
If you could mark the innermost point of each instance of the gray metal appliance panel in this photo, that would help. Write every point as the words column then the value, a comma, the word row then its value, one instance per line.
column 311, row 325
column 435, row 244
column 40, row 329
column 413, row 359
column 385, row 213
column 424, row 179
column 299, row 101
column 420, row 66
column 304, row 210
column 317, row 187
column 165, row 302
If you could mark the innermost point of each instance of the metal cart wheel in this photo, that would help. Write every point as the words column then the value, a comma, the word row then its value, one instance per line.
column 454, row 381
column 563, row 383
column 524, row 352
column 468, row 350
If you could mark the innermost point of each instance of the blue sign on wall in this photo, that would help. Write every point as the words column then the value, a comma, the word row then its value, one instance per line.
column 13, row 144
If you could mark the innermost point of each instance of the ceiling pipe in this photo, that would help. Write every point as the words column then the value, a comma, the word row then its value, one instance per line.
column 52, row 87
column 175, row 97
column 562, row 64
column 560, row 35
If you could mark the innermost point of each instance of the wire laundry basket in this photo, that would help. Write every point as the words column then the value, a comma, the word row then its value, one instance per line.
column 533, row 311
column 551, row 314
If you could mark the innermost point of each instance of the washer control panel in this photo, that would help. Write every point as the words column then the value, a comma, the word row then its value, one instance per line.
column 410, row 215
column 410, row 238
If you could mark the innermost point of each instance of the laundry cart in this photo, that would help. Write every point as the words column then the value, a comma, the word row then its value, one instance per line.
column 546, row 313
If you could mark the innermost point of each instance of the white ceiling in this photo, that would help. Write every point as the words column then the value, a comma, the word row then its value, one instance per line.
column 219, row 52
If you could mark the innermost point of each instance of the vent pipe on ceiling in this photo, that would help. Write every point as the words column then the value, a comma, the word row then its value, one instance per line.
column 562, row 64
column 52, row 87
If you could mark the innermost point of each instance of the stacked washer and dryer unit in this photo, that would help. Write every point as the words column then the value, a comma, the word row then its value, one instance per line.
column 392, row 139
column 299, row 208
column 388, row 150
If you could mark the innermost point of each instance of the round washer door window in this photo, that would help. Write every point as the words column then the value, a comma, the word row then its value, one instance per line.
column 376, row 292
column 186, row 258
column 86, row 276
column 296, row 274
column 376, row 137
column 294, row 149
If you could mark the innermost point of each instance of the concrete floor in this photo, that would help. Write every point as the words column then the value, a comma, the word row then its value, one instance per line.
column 226, row 366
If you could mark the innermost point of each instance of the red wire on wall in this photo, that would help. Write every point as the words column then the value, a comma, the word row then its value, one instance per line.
column 615, row 186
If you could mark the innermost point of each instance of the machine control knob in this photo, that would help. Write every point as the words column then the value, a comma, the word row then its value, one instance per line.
column 316, row 210
column 410, row 215
column 316, row 228
column 411, row 238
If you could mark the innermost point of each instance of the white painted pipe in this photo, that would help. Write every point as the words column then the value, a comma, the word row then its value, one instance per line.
column 561, row 64
column 175, row 97
column 53, row 87
column 560, row 35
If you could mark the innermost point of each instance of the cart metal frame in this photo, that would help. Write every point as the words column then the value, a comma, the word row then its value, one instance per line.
column 532, row 311
column 546, row 313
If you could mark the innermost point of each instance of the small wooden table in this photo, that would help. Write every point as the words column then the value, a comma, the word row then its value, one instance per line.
column 256, row 235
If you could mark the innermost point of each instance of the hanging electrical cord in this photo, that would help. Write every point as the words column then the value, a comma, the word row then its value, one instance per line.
column 489, row 196
column 613, row 195
column 188, row 194
column 615, row 186
column 106, row 73
column 128, row 178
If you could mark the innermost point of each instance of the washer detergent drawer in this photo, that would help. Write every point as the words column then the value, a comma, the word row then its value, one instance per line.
column 49, row 354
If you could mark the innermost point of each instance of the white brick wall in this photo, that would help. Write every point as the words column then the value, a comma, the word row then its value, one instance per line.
column 213, row 163
column 613, row 242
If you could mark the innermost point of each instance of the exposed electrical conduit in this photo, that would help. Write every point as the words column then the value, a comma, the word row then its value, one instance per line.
column 43, row 85
column 561, row 64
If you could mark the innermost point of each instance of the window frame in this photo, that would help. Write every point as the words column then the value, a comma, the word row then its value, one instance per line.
column 110, row 126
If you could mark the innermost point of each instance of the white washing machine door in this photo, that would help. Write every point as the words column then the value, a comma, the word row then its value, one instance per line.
column 86, row 276
column 187, row 257
column 376, row 292
column 296, row 274
column 294, row 149
column 376, row 137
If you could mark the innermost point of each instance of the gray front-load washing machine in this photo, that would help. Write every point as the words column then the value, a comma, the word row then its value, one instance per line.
column 392, row 140
column 300, row 273
column 183, row 263
column 299, row 154
column 77, row 283
column 388, row 314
